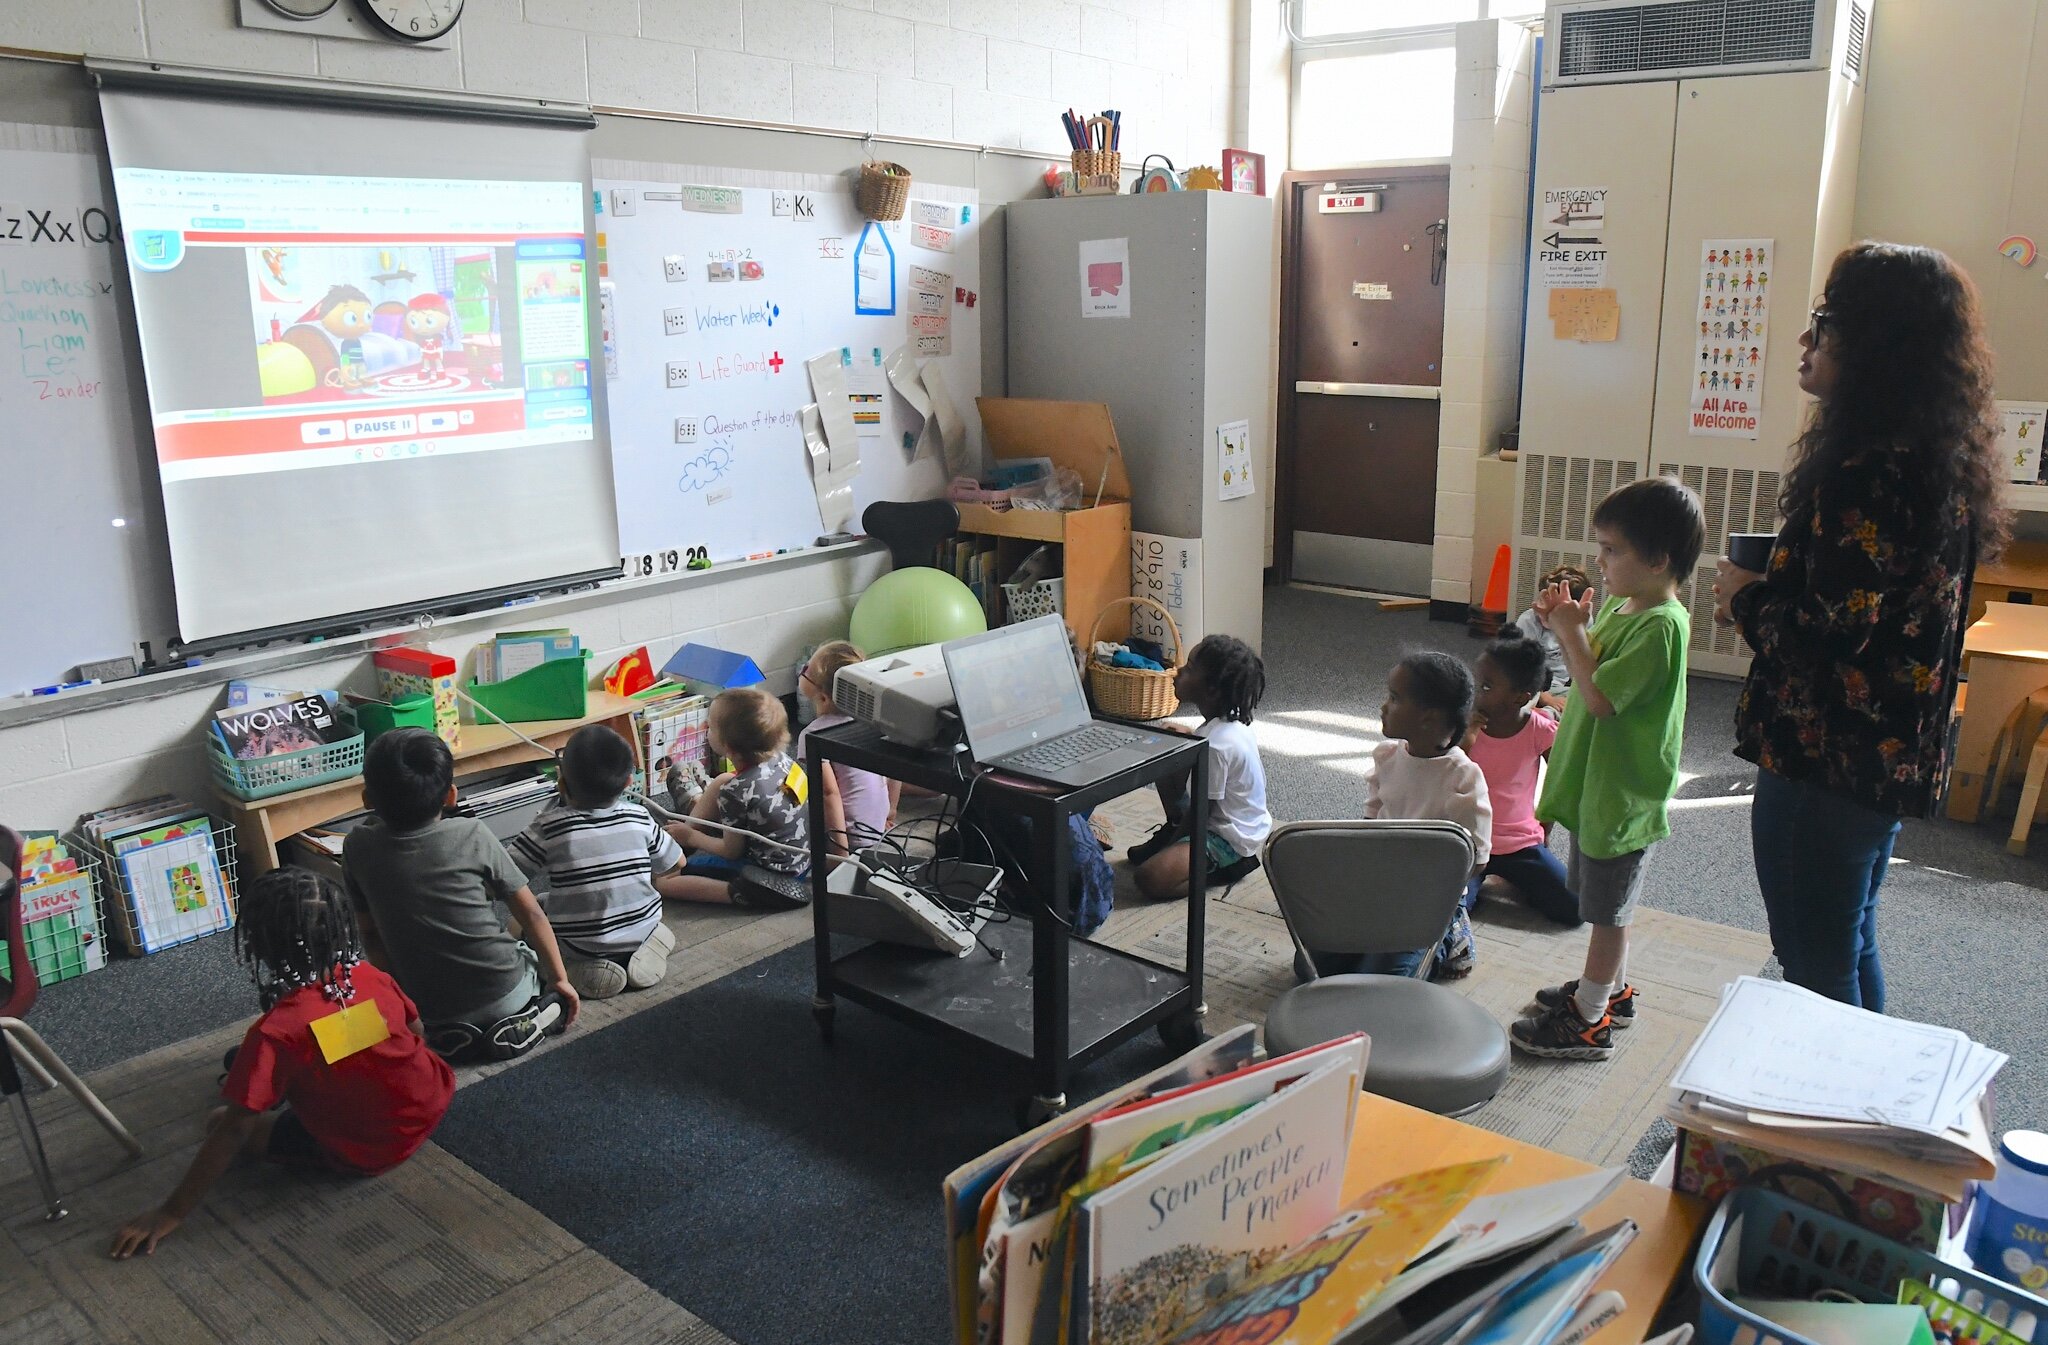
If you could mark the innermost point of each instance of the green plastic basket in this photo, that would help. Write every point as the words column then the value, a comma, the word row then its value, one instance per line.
column 262, row 777
column 557, row 689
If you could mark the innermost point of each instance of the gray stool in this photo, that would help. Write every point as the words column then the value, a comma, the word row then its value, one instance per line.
column 1431, row 1048
column 1383, row 887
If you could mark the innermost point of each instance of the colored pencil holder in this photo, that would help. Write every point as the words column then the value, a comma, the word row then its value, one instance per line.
column 884, row 190
column 1098, row 163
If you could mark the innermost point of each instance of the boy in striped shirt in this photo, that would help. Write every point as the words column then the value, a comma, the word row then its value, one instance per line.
column 601, row 852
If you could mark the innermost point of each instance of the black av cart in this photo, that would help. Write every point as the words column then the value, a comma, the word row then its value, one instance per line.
column 1055, row 1000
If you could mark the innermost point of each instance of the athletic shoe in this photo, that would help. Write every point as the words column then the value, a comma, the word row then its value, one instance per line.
column 1223, row 875
column 596, row 977
column 762, row 889
column 1560, row 1034
column 521, row 1032
column 1166, row 834
column 650, row 961
column 1621, row 1005
column 1460, row 954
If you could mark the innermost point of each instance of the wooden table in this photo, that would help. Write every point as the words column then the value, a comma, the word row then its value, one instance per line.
column 261, row 825
column 2005, row 657
column 1390, row 1139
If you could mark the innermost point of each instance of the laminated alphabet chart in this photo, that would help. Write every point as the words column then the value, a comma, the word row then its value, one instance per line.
column 1733, row 341
column 760, row 335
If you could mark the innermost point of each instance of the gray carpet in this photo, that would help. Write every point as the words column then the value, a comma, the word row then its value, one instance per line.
column 1955, row 909
column 1962, row 920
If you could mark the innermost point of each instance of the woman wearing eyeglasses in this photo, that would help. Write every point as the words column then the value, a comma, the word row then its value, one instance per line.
column 1891, row 501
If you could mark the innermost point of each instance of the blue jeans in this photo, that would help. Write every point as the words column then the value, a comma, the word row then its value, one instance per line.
column 1405, row 963
column 1820, row 860
column 1538, row 878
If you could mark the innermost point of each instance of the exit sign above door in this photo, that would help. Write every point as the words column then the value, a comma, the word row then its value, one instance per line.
column 1348, row 202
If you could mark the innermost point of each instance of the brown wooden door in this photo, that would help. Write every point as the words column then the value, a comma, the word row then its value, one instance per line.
column 1366, row 315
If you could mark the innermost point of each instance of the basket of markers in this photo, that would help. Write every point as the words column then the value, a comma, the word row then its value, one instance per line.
column 1135, row 693
column 1096, row 141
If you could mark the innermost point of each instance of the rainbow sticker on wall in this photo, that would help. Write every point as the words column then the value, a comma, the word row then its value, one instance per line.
column 2019, row 248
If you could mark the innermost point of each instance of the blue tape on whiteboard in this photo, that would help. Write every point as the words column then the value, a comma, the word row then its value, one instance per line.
column 868, row 300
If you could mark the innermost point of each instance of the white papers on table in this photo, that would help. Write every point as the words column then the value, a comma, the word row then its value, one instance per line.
column 1777, row 1047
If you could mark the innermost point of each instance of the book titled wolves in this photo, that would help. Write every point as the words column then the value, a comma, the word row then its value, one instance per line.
column 278, row 727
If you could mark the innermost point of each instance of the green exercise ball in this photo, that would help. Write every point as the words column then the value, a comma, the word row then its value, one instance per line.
column 914, row 606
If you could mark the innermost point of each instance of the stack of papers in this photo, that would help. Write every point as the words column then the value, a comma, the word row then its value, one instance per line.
column 1801, row 1075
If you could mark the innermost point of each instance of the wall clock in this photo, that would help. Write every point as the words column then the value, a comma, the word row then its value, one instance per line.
column 412, row 20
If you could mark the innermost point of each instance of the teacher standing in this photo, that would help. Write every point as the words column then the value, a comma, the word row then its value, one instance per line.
column 1857, row 622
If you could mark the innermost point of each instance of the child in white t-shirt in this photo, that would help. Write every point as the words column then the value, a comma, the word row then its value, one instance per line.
column 1224, row 679
column 1421, row 772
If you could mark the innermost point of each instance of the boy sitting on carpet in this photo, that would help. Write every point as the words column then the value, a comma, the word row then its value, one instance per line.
column 600, row 851
column 427, row 885
column 763, row 794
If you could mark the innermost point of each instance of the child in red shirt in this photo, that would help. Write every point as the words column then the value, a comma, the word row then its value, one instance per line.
column 363, row 1111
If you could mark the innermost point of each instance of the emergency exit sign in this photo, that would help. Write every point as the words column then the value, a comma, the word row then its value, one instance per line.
column 1348, row 202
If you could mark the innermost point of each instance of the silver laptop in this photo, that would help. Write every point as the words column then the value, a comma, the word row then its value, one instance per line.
column 1020, row 701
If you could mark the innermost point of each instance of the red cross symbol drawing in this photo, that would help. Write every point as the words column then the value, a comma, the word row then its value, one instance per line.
column 775, row 361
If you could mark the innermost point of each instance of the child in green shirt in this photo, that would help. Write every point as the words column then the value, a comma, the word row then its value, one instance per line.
column 1614, row 766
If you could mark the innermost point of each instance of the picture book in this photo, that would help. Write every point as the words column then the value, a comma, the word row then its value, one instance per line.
column 1323, row 1285
column 520, row 651
column 972, row 1190
column 61, row 924
column 1493, row 1226
column 277, row 727
column 176, row 889
column 1533, row 1311
column 1126, row 1138
column 1211, row 1212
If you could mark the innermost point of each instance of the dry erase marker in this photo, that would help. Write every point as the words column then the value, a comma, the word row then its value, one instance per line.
column 56, row 688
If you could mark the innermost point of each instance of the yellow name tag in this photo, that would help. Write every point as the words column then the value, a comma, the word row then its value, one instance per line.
column 356, row 1028
column 796, row 784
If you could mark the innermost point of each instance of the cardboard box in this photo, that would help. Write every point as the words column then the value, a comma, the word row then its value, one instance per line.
column 1710, row 1167
column 403, row 671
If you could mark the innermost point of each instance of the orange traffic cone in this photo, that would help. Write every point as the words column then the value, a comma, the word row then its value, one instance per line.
column 1492, row 613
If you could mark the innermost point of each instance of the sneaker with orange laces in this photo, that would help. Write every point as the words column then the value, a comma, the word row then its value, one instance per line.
column 1561, row 1034
column 1621, row 1005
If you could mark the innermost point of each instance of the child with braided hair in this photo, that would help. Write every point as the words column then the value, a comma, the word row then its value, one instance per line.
column 335, row 1074
column 1224, row 679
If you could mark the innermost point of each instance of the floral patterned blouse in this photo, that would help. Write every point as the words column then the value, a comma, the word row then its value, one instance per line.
column 1857, row 628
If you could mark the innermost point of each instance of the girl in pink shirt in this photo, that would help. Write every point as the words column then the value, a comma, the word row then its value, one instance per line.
column 1509, row 742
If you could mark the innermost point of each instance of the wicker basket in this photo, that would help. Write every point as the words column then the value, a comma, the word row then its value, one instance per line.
column 884, row 190
column 1135, row 693
column 1097, row 163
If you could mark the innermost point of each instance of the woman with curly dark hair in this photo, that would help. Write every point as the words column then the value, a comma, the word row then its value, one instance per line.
column 1857, row 622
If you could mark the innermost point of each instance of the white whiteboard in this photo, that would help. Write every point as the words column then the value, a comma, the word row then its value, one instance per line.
column 726, row 356
column 75, row 454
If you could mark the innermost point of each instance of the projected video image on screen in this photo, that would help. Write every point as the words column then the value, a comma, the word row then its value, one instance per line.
column 385, row 318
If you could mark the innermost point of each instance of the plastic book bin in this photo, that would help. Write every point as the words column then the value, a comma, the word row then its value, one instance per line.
column 405, row 712
column 261, row 777
column 557, row 689
column 1788, row 1250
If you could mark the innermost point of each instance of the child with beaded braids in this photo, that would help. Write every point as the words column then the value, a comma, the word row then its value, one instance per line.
column 334, row 1074
column 1225, row 680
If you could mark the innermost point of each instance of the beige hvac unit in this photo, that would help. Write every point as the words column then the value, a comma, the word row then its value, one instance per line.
column 1662, row 127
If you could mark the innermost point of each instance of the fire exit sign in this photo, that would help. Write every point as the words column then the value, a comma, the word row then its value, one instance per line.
column 1348, row 202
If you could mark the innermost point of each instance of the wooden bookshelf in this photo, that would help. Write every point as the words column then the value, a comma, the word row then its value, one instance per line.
column 262, row 824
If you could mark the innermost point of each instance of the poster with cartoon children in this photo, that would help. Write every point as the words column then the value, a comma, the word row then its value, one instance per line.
column 342, row 323
column 1735, row 286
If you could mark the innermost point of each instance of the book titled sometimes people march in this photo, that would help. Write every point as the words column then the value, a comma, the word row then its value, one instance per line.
column 278, row 727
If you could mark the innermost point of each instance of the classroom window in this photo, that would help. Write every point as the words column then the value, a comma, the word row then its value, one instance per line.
column 1371, row 109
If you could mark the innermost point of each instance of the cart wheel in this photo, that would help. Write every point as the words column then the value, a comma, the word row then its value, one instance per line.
column 822, row 1014
column 1033, row 1112
column 1182, row 1033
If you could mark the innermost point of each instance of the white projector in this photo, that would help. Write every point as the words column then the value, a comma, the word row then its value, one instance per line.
column 902, row 694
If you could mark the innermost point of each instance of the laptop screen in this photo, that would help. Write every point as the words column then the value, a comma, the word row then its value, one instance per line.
column 1016, row 686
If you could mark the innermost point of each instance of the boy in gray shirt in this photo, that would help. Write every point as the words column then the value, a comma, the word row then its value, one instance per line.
column 427, row 888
